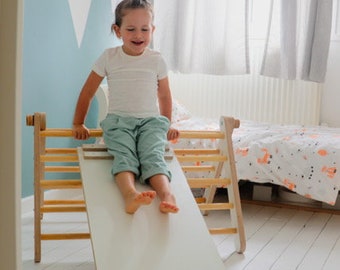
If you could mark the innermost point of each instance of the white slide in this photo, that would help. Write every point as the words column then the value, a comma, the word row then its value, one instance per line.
column 148, row 239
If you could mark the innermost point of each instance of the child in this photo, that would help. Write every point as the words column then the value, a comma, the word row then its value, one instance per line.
column 135, row 129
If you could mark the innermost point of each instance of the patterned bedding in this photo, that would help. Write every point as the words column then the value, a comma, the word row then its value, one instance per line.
column 302, row 159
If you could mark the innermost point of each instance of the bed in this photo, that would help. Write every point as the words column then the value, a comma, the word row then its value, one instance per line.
column 299, row 158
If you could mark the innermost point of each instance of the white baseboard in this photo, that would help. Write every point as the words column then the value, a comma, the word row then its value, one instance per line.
column 27, row 203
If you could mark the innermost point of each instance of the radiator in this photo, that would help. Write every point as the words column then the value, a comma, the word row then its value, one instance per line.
column 249, row 97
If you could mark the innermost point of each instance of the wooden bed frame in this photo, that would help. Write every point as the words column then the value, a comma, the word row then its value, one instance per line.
column 65, row 160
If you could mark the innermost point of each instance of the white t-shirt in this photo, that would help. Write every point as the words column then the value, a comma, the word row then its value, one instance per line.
column 132, row 81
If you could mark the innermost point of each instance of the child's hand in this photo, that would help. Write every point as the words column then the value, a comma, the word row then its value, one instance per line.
column 173, row 134
column 80, row 132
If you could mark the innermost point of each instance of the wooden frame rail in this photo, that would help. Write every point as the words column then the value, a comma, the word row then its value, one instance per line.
column 222, row 173
column 57, row 161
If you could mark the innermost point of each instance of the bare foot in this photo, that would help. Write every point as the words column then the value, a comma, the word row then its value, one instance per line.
column 168, row 205
column 134, row 201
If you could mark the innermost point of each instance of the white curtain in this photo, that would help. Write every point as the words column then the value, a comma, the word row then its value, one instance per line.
column 298, row 39
column 203, row 36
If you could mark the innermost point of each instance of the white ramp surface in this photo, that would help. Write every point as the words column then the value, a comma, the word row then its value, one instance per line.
column 148, row 239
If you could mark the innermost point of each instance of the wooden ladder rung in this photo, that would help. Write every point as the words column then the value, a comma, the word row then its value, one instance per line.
column 194, row 158
column 204, row 168
column 64, row 202
column 215, row 206
column 61, row 150
column 59, row 158
column 70, row 169
column 60, row 184
column 200, row 200
column 201, row 134
column 60, row 209
column 65, row 236
column 223, row 230
column 196, row 151
column 66, row 132
column 207, row 182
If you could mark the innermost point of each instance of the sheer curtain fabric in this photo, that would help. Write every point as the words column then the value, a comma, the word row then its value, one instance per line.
column 298, row 39
column 200, row 36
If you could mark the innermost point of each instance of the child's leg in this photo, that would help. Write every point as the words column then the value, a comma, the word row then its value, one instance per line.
column 133, row 198
column 160, row 183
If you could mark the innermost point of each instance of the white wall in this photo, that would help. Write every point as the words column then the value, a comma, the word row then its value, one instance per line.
column 10, row 143
column 330, row 106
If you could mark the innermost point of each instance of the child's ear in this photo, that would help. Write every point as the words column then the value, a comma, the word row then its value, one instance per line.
column 115, row 28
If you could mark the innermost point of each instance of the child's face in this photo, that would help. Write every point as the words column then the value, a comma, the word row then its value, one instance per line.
column 135, row 31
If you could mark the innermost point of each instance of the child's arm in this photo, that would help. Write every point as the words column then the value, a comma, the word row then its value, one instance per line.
column 165, row 105
column 89, row 89
column 164, row 98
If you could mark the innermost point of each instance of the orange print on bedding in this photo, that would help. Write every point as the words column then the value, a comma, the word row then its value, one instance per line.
column 265, row 158
column 289, row 184
column 323, row 152
column 243, row 151
column 330, row 171
column 308, row 196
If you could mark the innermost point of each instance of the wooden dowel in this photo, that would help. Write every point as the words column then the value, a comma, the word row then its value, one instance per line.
column 61, row 150
column 188, row 134
column 60, row 184
column 70, row 169
column 59, row 158
column 65, row 236
column 223, row 231
column 196, row 151
column 207, row 182
column 200, row 200
column 64, row 202
column 204, row 168
column 194, row 158
column 67, row 132
column 61, row 209
column 215, row 206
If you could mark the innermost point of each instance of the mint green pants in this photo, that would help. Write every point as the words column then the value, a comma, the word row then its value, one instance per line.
column 137, row 144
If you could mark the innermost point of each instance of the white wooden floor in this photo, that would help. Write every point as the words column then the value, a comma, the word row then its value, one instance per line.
column 277, row 238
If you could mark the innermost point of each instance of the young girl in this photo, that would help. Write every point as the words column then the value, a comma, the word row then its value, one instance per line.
column 135, row 129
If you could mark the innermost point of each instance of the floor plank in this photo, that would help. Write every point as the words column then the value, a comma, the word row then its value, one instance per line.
column 258, row 238
column 324, row 254
column 298, row 249
column 292, row 222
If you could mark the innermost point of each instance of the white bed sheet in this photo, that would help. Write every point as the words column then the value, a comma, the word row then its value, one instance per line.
column 302, row 159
